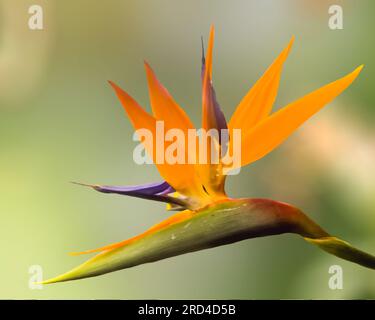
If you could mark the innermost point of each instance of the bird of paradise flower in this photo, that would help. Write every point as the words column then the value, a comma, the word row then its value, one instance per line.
column 208, row 217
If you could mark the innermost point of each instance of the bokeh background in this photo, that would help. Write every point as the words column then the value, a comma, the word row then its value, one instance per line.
column 61, row 122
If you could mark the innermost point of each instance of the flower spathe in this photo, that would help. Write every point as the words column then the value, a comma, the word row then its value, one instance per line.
column 197, row 190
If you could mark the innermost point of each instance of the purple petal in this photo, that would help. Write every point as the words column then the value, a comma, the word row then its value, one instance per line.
column 146, row 189
column 153, row 191
column 203, row 61
column 217, row 113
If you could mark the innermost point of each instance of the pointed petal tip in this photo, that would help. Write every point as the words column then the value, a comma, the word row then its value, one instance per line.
column 117, row 89
column 287, row 49
column 212, row 33
column 114, row 86
column 78, row 253
column 291, row 41
column 51, row 280
column 48, row 281
column 146, row 64
column 84, row 184
column 359, row 69
column 353, row 75
column 59, row 278
column 150, row 74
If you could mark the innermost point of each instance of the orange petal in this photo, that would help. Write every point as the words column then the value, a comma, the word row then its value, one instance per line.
column 212, row 118
column 163, row 105
column 180, row 176
column 139, row 118
column 166, row 109
column 206, row 105
column 258, row 102
column 272, row 131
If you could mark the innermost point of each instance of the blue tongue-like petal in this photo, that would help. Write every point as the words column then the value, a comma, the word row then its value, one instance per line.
column 157, row 191
column 156, row 188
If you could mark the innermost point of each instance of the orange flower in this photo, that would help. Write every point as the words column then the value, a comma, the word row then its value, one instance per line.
column 208, row 217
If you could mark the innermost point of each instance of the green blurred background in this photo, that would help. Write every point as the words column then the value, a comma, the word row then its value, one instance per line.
column 61, row 122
